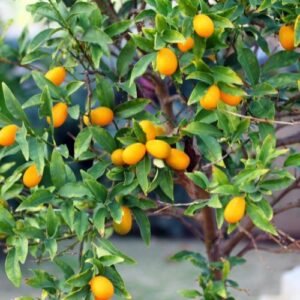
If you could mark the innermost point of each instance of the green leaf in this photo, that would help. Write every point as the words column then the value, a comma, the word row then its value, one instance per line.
column 226, row 189
column 37, row 198
column 276, row 184
column 284, row 80
column 143, row 43
column 214, row 202
column 80, row 279
column 57, row 169
column 143, row 223
column 41, row 280
column 121, row 189
column 99, row 220
column 105, row 91
column 104, row 139
column 141, row 66
column 52, row 222
column 82, row 142
column 264, row 5
column 173, row 36
column 263, row 89
column 219, row 289
column 81, row 224
column 22, row 141
column 264, row 108
column 97, row 36
column 51, row 246
column 197, row 93
column 125, row 58
column 139, row 133
column 266, row 208
column 249, row 174
column 202, row 129
column 250, row 64
column 266, row 150
column 188, row 7
column 280, row 59
column 21, row 246
column 96, row 54
column 131, row 108
column 201, row 76
column 226, row 75
column 293, row 160
column 109, row 247
column 7, row 221
column 12, row 268
column 199, row 178
column 166, row 183
column 219, row 176
column 160, row 23
column 73, row 87
column 143, row 169
column 33, row 57
column 259, row 219
column 195, row 207
column 211, row 149
column 68, row 213
column 74, row 111
column 98, row 190
column 190, row 294
column 118, row 28
column 13, row 105
column 297, row 31
column 40, row 39
column 220, row 21
column 74, row 190
column 115, row 210
column 64, row 266
column 164, row 7
column 46, row 105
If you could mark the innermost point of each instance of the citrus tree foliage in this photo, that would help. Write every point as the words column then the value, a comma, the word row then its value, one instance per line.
column 227, row 152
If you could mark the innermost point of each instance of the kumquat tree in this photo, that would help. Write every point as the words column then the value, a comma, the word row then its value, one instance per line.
column 187, row 93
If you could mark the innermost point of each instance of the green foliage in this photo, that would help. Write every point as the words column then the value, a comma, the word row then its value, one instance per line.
column 110, row 59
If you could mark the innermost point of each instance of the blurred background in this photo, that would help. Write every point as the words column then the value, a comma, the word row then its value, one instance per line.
column 154, row 277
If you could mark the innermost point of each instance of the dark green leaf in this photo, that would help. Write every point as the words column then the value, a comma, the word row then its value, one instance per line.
column 143, row 223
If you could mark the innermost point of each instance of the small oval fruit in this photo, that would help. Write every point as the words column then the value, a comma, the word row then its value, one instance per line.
column 187, row 45
column 102, row 288
column 8, row 135
column 203, row 25
column 56, row 75
column 125, row 225
column 178, row 160
column 31, row 177
column 287, row 37
column 211, row 99
column 116, row 157
column 158, row 149
column 101, row 116
column 59, row 114
column 232, row 100
column 149, row 129
column 235, row 210
column 134, row 153
column 86, row 120
column 166, row 62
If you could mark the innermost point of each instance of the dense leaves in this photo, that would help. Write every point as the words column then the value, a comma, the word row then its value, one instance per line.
column 225, row 140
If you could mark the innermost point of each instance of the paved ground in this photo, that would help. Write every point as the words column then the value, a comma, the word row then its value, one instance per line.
column 156, row 278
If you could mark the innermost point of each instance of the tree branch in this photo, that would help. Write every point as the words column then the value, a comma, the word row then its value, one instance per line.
column 107, row 8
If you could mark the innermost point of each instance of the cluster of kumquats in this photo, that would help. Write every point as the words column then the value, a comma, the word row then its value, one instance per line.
column 167, row 64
